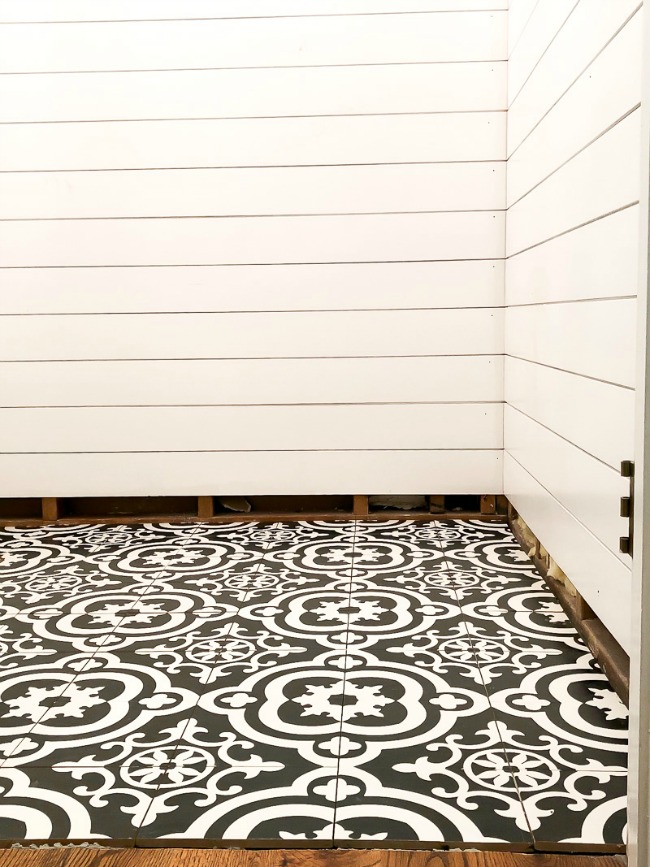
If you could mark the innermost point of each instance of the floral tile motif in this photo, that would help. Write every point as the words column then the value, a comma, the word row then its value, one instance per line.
column 41, row 804
column 450, row 787
column 298, row 683
column 250, row 804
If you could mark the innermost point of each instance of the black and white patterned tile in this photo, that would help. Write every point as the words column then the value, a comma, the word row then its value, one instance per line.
column 561, row 724
column 298, row 683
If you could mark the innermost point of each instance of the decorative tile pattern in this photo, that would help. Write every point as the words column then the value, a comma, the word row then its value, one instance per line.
column 307, row 683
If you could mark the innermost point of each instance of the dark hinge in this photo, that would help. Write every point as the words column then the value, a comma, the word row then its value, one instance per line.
column 627, row 509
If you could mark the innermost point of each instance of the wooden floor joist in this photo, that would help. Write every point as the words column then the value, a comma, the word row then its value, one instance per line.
column 134, row 510
column 205, row 508
column 50, row 508
column 360, row 507
column 91, row 857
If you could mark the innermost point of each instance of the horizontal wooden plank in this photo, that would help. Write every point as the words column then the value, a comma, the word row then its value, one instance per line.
column 254, row 240
column 217, row 288
column 255, row 142
column 252, row 335
column 599, row 260
column 251, row 428
column 570, row 197
column 439, row 36
column 254, row 191
column 251, row 473
column 168, row 857
column 597, row 417
column 603, row 94
column 601, row 578
column 585, row 34
column 546, row 19
column 438, row 87
column 593, row 338
column 519, row 13
column 106, row 10
column 257, row 381
column 587, row 488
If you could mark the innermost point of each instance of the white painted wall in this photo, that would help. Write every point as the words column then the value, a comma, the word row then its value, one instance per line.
column 574, row 79
column 252, row 246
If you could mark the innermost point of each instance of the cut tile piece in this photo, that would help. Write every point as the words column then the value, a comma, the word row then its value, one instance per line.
column 84, row 804
column 453, row 787
column 565, row 733
column 241, row 805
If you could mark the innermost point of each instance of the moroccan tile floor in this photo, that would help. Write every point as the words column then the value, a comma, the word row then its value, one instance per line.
column 331, row 682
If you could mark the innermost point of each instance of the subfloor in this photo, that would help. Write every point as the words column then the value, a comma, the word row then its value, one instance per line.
column 308, row 684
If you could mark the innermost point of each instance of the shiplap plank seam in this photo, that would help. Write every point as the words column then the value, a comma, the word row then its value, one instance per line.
column 241, row 68
column 559, row 502
column 259, row 17
column 577, row 77
column 570, row 301
column 581, row 150
column 512, row 101
column 260, row 358
column 574, row 228
column 570, row 442
column 595, row 101
column 571, row 372
column 427, row 449
column 521, row 32
column 253, row 117
column 601, row 561
column 65, row 10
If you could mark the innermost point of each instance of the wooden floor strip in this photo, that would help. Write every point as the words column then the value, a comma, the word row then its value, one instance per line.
column 93, row 857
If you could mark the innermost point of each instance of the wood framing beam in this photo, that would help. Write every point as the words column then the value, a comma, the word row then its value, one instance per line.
column 50, row 508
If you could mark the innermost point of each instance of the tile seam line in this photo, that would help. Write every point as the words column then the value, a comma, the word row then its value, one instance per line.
column 195, row 531
column 355, row 533
column 4, row 765
column 493, row 711
column 580, row 74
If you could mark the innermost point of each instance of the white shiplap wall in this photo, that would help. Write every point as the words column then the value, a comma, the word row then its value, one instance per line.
column 252, row 246
column 574, row 78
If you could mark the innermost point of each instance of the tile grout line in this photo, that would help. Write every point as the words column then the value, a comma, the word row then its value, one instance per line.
column 493, row 712
column 101, row 648
column 490, row 580
column 355, row 526
column 175, row 747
